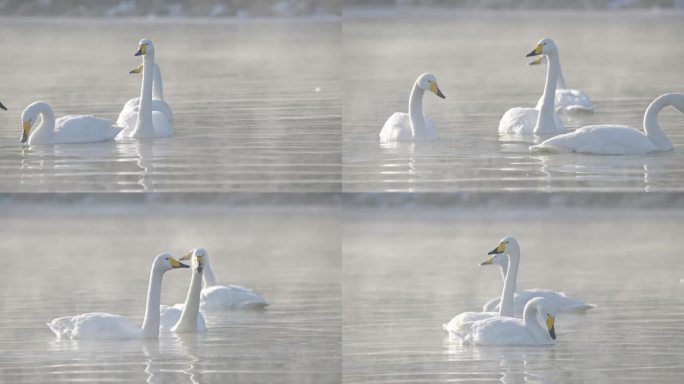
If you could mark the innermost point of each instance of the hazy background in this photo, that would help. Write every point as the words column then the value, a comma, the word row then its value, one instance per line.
column 521, row 4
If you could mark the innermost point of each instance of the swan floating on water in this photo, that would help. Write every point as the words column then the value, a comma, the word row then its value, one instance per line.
column 188, row 319
column 542, row 120
column 413, row 126
column 618, row 139
column 129, row 114
column 106, row 326
column 510, row 247
column 72, row 129
column 510, row 331
column 560, row 301
column 567, row 101
column 149, row 123
column 221, row 297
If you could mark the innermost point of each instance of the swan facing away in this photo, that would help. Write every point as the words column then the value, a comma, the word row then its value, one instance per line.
column 149, row 123
column 188, row 319
column 527, row 331
column 413, row 126
column 72, row 129
column 507, row 246
column 129, row 114
column 542, row 120
column 106, row 326
column 561, row 302
column 618, row 139
column 568, row 101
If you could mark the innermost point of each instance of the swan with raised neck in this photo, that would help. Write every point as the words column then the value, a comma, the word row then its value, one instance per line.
column 546, row 120
column 144, row 126
column 189, row 321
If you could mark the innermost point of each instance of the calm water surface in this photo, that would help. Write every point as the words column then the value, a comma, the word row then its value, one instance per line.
column 256, row 104
column 407, row 271
column 622, row 61
column 99, row 260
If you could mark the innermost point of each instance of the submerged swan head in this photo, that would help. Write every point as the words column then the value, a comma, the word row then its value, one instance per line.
column 546, row 312
column 544, row 47
column 198, row 256
column 145, row 47
column 428, row 82
column 507, row 245
column 166, row 262
column 29, row 117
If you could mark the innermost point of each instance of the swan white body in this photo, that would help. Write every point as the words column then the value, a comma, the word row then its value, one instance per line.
column 413, row 126
column 107, row 326
column 560, row 300
column 513, row 331
column 567, row 101
column 149, row 123
column 618, row 139
column 225, row 297
column 72, row 129
column 462, row 321
column 542, row 120
column 129, row 114
column 188, row 319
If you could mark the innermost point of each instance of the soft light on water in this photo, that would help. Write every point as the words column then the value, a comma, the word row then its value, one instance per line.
column 256, row 104
column 622, row 61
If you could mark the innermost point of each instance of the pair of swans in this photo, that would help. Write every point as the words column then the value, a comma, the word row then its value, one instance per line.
column 143, row 117
column 502, row 327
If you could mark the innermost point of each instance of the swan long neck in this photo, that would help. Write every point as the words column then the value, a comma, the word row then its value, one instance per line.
column 506, row 306
column 504, row 269
column 150, row 326
column 144, row 126
column 158, row 89
column 208, row 275
column 560, row 82
column 651, row 126
column 546, row 122
column 531, row 322
column 416, row 109
column 188, row 318
column 46, row 129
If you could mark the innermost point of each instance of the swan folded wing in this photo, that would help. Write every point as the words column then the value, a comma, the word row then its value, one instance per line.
column 463, row 321
column 168, row 317
column 129, row 114
column 561, row 301
column 569, row 100
column 161, row 124
column 519, row 121
column 84, row 129
column 231, row 297
column 397, row 128
column 498, row 331
column 94, row 325
column 599, row 140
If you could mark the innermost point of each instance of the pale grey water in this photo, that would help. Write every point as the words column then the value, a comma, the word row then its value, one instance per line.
column 621, row 60
column 409, row 267
column 256, row 104
column 76, row 254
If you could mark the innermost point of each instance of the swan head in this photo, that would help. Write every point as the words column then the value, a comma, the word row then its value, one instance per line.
column 547, row 312
column 145, row 47
column 166, row 262
column 507, row 245
column 198, row 257
column 544, row 47
column 496, row 259
column 428, row 82
column 29, row 117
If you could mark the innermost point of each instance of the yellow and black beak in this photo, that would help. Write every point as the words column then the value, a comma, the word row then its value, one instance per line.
column 177, row 264
column 200, row 261
column 499, row 249
column 26, row 129
column 550, row 321
column 3, row 107
column 137, row 69
column 434, row 88
column 488, row 261
column 537, row 61
column 142, row 49
column 538, row 50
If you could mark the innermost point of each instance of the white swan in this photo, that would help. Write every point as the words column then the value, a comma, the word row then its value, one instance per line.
column 513, row 331
column 106, row 326
column 149, row 123
column 70, row 129
column 560, row 301
column 567, row 101
column 189, row 319
column 509, row 246
column 129, row 114
column 413, row 126
column 618, row 139
column 542, row 120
